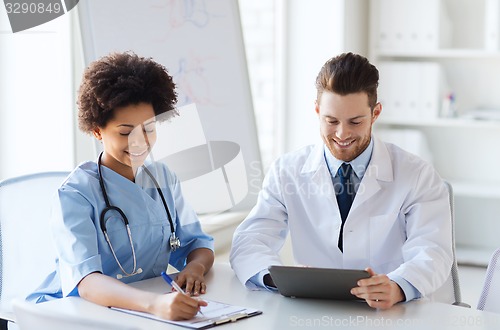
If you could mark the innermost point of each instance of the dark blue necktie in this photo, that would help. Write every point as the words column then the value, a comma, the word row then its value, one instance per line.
column 345, row 196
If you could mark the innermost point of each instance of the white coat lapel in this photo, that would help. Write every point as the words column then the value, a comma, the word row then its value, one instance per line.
column 325, row 204
column 379, row 169
column 315, row 167
column 323, row 209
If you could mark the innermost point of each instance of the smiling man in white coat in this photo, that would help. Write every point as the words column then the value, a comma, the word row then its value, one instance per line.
column 352, row 201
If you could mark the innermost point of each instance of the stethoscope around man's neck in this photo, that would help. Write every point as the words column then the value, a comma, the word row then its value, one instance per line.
column 174, row 241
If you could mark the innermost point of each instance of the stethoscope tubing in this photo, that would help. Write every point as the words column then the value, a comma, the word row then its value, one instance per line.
column 109, row 207
column 174, row 241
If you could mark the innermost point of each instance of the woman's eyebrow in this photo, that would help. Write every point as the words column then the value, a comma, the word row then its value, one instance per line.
column 150, row 122
column 133, row 126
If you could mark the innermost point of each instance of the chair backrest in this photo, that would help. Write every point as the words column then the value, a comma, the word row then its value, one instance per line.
column 454, row 266
column 27, row 251
column 452, row 285
column 30, row 316
column 490, row 296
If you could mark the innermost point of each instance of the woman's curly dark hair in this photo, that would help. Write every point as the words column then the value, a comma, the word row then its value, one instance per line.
column 121, row 79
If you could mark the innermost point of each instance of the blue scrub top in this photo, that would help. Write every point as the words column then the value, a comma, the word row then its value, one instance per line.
column 80, row 243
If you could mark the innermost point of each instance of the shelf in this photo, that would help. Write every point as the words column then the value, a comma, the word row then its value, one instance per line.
column 488, row 190
column 441, row 122
column 473, row 256
column 463, row 148
column 439, row 54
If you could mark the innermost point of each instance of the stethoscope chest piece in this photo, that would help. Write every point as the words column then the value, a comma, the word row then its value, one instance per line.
column 175, row 242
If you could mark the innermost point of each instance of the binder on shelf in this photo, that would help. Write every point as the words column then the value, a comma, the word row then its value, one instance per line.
column 392, row 24
column 388, row 90
column 431, row 90
column 492, row 25
column 411, row 90
column 401, row 27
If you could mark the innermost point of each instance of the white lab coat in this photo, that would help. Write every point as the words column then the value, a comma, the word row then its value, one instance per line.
column 399, row 223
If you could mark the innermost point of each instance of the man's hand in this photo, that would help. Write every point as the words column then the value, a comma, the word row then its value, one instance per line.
column 378, row 291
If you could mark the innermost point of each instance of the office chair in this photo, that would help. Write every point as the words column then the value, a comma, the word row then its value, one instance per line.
column 454, row 266
column 29, row 316
column 452, row 285
column 27, row 254
column 490, row 297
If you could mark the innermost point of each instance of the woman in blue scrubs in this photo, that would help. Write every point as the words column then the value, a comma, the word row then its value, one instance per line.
column 120, row 100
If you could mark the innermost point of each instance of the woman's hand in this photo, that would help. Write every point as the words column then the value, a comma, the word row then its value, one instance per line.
column 108, row 291
column 192, row 278
column 199, row 262
column 175, row 306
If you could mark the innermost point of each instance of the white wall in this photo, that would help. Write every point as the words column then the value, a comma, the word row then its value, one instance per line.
column 356, row 26
column 36, row 131
column 314, row 33
column 258, row 23
column 84, row 144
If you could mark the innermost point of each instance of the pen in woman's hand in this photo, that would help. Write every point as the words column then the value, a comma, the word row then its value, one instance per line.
column 174, row 284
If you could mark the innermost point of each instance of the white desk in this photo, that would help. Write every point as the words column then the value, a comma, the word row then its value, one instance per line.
column 286, row 313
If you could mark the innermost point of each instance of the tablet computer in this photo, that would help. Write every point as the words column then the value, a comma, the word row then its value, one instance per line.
column 311, row 282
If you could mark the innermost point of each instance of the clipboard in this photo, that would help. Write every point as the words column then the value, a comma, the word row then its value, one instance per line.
column 216, row 313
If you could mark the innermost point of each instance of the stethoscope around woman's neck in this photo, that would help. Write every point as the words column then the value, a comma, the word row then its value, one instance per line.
column 175, row 243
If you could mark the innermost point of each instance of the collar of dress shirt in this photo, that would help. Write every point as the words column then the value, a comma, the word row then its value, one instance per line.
column 359, row 164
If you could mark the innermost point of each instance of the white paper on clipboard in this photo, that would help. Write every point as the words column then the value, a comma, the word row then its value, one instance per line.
column 214, row 314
